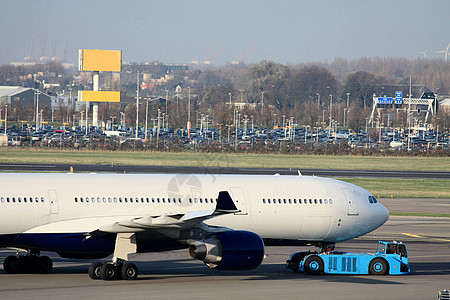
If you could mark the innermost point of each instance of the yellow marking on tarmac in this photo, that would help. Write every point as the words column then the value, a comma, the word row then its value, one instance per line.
column 422, row 237
column 443, row 240
column 412, row 235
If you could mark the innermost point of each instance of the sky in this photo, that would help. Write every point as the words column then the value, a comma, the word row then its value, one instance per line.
column 176, row 31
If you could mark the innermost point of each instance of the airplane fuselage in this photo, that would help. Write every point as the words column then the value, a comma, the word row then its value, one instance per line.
column 295, row 208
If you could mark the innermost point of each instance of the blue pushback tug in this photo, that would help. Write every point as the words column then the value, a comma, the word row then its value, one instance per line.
column 391, row 258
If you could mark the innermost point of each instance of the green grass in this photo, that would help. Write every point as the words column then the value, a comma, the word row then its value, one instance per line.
column 419, row 214
column 18, row 155
column 403, row 188
column 380, row 187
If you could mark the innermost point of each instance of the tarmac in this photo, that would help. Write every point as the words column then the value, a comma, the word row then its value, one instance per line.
column 174, row 275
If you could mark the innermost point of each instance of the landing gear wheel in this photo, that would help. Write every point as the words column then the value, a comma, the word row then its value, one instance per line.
column 129, row 271
column 11, row 265
column 314, row 265
column 378, row 266
column 108, row 271
column 94, row 270
column 44, row 264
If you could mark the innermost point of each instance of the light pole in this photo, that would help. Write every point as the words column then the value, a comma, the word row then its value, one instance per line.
column 137, row 104
column 6, row 117
column 348, row 98
column 146, row 118
column 86, row 127
column 37, row 109
column 230, row 98
column 262, row 102
column 122, row 119
column 331, row 107
column 189, row 114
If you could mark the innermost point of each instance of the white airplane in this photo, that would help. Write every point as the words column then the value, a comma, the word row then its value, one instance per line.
column 224, row 220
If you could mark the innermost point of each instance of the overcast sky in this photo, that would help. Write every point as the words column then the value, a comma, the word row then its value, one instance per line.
column 182, row 31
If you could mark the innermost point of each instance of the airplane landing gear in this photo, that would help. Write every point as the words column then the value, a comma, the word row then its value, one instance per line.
column 119, row 268
column 111, row 271
column 30, row 263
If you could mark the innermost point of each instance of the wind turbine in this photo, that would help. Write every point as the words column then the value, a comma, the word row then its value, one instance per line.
column 424, row 53
column 446, row 53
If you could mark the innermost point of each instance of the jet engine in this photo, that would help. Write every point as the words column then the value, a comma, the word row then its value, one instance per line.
column 230, row 250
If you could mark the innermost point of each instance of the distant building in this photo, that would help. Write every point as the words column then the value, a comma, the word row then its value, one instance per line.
column 13, row 95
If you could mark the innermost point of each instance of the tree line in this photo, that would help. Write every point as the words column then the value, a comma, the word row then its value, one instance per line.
column 310, row 94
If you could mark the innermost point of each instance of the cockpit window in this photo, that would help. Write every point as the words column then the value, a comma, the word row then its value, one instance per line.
column 372, row 199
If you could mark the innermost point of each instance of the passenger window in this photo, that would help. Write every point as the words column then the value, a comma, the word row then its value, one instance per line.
column 264, row 201
column 320, row 201
column 25, row 199
column 42, row 199
column 76, row 200
column 120, row 199
column 331, row 201
column 315, row 201
column 104, row 200
column 295, row 201
column 81, row 199
column 109, row 199
column 3, row 200
column 115, row 200
column 7, row 199
column 14, row 199
column 325, row 201
column 36, row 199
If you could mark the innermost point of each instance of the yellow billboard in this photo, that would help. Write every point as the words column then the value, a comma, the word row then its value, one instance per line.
column 99, row 60
column 99, row 96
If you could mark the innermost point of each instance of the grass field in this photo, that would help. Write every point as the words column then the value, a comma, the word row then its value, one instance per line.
column 380, row 187
column 17, row 155
column 403, row 188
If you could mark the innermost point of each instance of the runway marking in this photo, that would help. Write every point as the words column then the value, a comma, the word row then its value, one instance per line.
column 423, row 237
column 413, row 235
column 428, row 256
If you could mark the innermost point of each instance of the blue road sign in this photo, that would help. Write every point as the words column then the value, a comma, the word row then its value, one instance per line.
column 398, row 97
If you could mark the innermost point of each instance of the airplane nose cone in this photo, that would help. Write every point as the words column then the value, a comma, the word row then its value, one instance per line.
column 381, row 215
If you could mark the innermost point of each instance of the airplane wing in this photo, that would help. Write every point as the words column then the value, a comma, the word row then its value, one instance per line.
column 225, row 205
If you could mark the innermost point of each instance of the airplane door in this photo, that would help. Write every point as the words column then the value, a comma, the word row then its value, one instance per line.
column 352, row 206
column 54, row 205
column 238, row 196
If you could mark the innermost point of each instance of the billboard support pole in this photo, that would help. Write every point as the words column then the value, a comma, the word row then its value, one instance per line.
column 95, row 81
